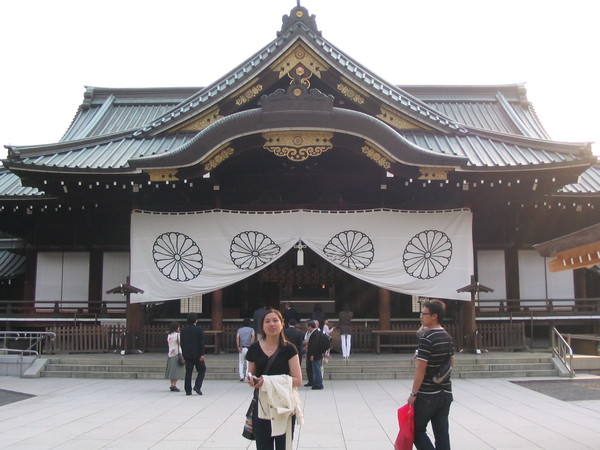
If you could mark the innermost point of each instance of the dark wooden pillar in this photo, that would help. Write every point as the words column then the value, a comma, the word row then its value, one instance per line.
column 470, row 343
column 95, row 287
column 579, row 282
column 216, row 317
column 30, row 275
column 134, row 326
column 512, row 276
column 385, row 311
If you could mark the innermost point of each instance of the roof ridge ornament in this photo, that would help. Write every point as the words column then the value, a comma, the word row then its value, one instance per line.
column 299, row 14
column 296, row 97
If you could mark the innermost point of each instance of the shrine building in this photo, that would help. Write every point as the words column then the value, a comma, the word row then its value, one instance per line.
column 300, row 176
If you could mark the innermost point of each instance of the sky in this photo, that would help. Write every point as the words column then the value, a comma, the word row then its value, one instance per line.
column 51, row 50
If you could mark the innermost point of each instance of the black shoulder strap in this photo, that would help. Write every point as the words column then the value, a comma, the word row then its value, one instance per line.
column 270, row 363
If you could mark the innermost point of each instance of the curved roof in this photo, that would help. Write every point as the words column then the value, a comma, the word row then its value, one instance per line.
column 490, row 126
column 311, row 110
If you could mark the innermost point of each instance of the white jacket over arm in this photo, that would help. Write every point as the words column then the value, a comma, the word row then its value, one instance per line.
column 278, row 402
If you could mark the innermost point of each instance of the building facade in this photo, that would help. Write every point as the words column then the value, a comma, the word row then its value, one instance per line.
column 298, row 126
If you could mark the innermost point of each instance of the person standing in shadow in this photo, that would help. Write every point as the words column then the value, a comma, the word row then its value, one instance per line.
column 257, row 319
column 318, row 315
column 192, row 348
column 290, row 313
column 294, row 335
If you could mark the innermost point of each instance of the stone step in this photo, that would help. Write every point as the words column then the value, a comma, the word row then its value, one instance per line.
column 359, row 368
column 532, row 372
column 367, row 373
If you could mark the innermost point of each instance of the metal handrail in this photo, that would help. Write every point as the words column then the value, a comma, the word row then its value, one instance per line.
column 36, row 339
column 562, row 350
column 20, row 353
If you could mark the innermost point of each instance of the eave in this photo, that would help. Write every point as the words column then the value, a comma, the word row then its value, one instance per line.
column 573, row 251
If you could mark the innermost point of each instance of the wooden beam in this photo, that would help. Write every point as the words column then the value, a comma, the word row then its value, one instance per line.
column 576, row 258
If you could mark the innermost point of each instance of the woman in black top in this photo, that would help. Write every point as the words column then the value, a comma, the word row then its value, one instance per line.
column 286, row 362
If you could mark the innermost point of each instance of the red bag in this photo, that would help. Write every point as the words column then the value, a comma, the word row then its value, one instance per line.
column 406, row 422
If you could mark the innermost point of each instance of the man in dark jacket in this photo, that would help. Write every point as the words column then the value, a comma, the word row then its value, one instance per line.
column 317, row 345
column 294, row 335
column 290, row 313
column 192, row 348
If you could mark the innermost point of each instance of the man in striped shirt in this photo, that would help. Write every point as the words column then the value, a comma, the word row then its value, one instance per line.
column 432, row 399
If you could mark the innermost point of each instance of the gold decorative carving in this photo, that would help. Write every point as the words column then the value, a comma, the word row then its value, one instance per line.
column 350, row 93
column 396, row 120
column 434, row 173
column 298, row 145
column 299, row 74
column 220, row 155
column 376, row 154
column 299, row 54
column 201, row 121
column 249, row 94
column 163, row 175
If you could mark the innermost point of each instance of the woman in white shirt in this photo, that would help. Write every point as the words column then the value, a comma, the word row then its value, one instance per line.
column 174, row 370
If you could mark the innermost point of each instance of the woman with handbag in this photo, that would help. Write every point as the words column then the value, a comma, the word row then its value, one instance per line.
column 275, row 374
column 175, row 366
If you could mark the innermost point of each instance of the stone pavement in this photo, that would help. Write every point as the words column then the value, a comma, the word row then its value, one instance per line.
column 144, row 414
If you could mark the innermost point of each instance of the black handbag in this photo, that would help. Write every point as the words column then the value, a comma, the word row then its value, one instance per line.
column 248, row 431
column 444, row 371
column 180, row 358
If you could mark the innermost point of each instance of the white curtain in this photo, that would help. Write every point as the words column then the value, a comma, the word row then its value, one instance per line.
column 63, row 277
column 176, row 255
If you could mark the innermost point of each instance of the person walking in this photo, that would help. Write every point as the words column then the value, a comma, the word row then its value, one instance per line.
column 345, row 326
column 174, row 370
column 192, row 348
column 278, row 406
column 244, row 338
column 430, row 396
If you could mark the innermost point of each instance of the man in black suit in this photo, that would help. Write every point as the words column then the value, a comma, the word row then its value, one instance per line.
column 192, row 348
column 290, row 313
column 294, row 335
column 318, row 344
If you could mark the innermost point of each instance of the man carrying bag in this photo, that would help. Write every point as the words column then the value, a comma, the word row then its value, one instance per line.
column 431, row 393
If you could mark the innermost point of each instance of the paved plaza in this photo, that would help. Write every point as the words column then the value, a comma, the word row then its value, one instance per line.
column 143, row 414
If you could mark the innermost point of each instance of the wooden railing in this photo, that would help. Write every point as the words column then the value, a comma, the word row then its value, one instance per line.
column 87, row 338
column 94, row 338
column 57, row 310
column 513, row 309
column 506, row 309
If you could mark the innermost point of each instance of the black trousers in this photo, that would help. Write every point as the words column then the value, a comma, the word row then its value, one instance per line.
column 309, row 371
column 262, row 433
column 189, row 369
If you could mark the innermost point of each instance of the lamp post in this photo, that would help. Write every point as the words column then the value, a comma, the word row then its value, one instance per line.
column 472, row 339
column 132, row 317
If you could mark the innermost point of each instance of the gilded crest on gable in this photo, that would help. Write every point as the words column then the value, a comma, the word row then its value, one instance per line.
column 298, row 145
column 299, row 54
